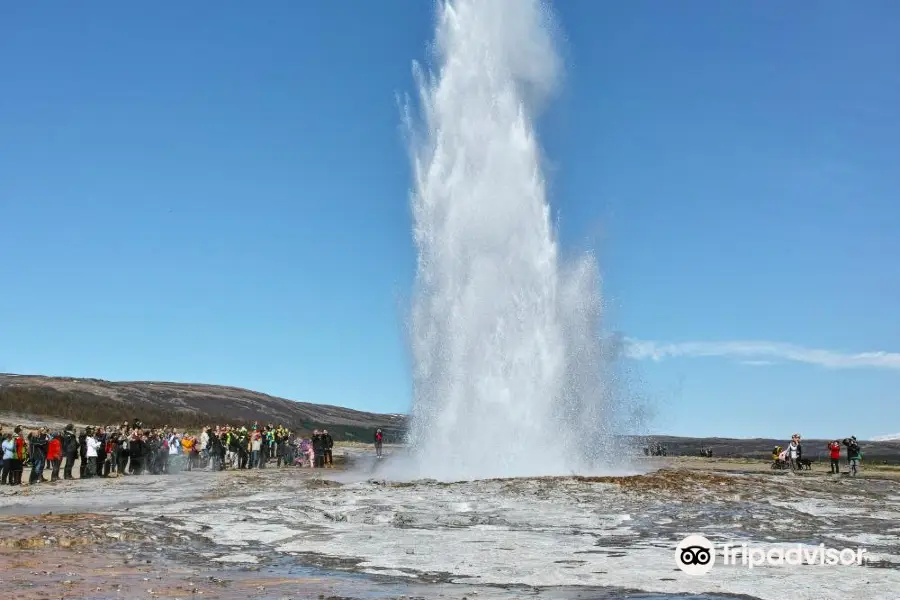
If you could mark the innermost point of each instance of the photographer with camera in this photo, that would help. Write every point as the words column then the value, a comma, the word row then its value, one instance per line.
column 834, row 451
column 853, row 454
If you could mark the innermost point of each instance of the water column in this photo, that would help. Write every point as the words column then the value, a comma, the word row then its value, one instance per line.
column 505, row 336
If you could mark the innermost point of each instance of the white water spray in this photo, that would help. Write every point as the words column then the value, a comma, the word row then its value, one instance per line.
column 508, row 364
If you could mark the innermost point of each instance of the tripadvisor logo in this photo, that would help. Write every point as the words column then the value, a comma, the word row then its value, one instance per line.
column 696, row 555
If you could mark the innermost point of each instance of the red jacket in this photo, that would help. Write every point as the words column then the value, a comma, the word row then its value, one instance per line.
column 21, row 448
column 835, row 449
column 54, row 449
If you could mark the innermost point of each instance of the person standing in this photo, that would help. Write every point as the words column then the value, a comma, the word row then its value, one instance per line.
column 853, row 454
column 308, row 454
column 834, row 451
column 215, row 452
column 265, row 449
column 328, row 442
column 243, row 448
column 91, row 446
column 9, row 451
column 124, row 442
column 39, row 442
column 70, row 449
column 171, row 444
column 269, row 444
column 100, row 436
column 136, row 452
column 204, row 448
column 379, row 441
column 290, row 448
column 795, row 452
column 82, row 452
column 318, row 444
column 54, row 455
column 256, row 446
column 113, row 448
column 19, row 456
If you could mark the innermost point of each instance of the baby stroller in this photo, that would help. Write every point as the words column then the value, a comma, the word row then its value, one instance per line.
column 779, row 459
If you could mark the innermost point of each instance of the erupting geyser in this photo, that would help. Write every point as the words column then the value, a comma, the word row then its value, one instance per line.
column 508, row 365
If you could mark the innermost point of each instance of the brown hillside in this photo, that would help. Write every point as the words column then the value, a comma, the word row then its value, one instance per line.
column 183, row 404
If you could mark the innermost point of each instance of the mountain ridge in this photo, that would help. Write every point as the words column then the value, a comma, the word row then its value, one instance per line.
column 160, row 403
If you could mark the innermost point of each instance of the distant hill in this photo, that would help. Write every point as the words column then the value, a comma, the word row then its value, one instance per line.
column 180, row 404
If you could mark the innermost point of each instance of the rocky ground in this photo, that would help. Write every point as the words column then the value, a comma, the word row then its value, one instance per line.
column 295, row 533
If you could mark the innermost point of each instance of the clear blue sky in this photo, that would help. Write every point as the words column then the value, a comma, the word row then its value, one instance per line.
column 218, row 192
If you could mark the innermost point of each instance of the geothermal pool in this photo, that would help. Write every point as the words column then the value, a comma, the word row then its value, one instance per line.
column 532, row 537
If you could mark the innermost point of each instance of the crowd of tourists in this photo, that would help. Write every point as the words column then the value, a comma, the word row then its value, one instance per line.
column 132, row 449
column 792, row 456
